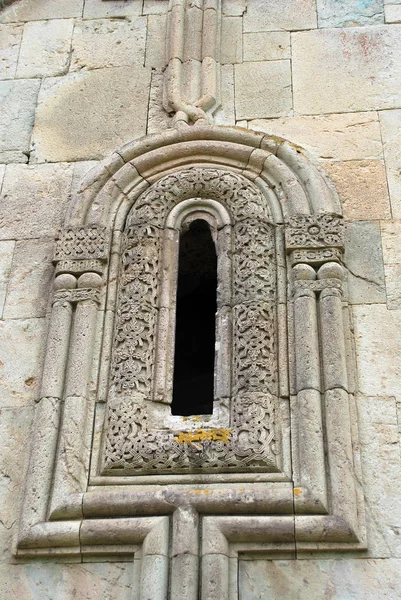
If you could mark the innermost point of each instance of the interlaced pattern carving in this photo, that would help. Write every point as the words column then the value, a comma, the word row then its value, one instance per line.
column 251, row 442
column 82, row 243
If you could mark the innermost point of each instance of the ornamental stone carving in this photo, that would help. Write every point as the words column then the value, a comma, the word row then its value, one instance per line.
column 250, row 439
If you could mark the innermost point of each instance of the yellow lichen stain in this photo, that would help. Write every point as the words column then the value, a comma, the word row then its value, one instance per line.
column 297, row 491
column 203, row 435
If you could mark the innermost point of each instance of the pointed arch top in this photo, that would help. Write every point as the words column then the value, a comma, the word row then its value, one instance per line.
column 280, row 169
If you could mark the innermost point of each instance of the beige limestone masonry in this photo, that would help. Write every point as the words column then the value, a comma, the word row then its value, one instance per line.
column 262, row 89
column 334, row 91
column 45, row 48
column 349, row 13
column 21, row 353
column 269, row 15
column 391, row 240
column 70, row 109
column 363, row 73
column 29, row 285
column 41, row 9
column 346, row 136
column 108, row 43
column 319, row 579
column 33, row 200
column 362, row 187
column 390, row 121
column 378, row 349
column 6, row 257
column 17, row 107
column 272, row 45
column 10, row 41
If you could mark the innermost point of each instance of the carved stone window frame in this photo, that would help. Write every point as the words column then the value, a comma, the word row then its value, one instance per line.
column 71, row 509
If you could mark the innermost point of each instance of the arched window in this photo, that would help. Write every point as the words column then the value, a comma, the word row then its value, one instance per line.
column 194, row 370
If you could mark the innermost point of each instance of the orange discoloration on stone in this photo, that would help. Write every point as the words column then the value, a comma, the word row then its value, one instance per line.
column 202, row 435
column 297, row 491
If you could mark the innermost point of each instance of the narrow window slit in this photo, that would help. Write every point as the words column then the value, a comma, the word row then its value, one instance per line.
column 193, row 383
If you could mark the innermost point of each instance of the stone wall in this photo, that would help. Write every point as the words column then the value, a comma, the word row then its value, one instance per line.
column 79, row 78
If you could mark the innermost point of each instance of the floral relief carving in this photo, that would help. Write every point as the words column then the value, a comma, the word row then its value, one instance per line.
column 251, row 441
column 317, row 231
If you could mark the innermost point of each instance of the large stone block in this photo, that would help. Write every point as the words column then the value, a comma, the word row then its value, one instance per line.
column 41, row 9
column 156, row 41
column 262, row 89
column 108, row 43
column 6, row 256
column 231, row 40
column 380, row 461
column 21, row 351
column 339, row 136
column 95, row 9
column 272, row 45
column 234, row 8
column 391, row 241
column 45, row 48
column 155, row 7
column 226, row 113
column 14, row 432
column 87, row 115
column 344, row 579
column 10, row 41
column 270, row 15
column 17, row 109
column 378, row 349
column 392, row 13
column 29, row 286
column 158, row 119
column 391, row 131
column 52, row 581
column 354, row 69
column 33, row 200
column 364, row 261
column 348, row 13
column 362, row 187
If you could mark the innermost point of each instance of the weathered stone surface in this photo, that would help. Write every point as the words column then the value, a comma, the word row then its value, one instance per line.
column 29, row 288
column 21, row 349
column 2, row 172
column 234, row 7
column 33, row 200
column 362, row 187
column 108, row 43
column 391, row 241
column 262, row 89
column 378, row 349
column 14, row 433
column 118, row 8
column 231, row 40
column 6, row 256
column 13, row 156
column 41, row 581
column 305, row 579
column 10, row 41
column 270, row 15
column 380, row 459
column 392, row 13
column 339, row 136
column 156, row 41
column 17, row 109
column 363, row 73
column 158, row 119
column 390, row 121
column 364, row 261
column 154, row 7
column 226, row 113
column 348, row 13
column 87, row 115
column 42, row 9
column 274, row 45
column 45, row 48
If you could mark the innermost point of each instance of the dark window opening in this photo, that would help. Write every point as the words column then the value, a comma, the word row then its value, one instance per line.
column 193, row 384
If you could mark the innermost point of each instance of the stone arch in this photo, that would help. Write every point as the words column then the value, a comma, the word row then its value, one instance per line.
column 314, row 488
